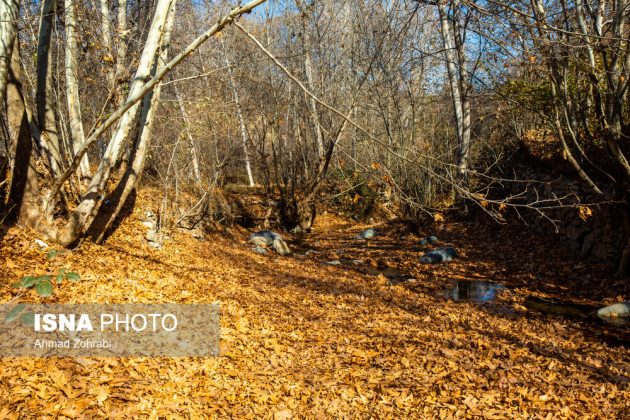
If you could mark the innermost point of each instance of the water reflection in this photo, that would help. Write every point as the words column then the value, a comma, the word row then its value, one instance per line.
column 473, row 291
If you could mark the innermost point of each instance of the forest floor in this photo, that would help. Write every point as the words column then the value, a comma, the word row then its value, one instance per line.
column 300, row 338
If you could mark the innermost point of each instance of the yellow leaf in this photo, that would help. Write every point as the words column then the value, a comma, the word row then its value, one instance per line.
column 283, row 415
column 438, row 217
column 585, row 212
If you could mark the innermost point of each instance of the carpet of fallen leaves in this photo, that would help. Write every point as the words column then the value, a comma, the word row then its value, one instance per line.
column 303, row 339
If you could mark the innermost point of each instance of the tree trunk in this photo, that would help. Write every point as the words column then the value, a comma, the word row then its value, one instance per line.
column 133, row 172
column 191, row 140
column 24, row 189
column 464, row 87
column 450, row 57
column 308, row 70
column 45, row 102
column 72, row 88
column 9, row 13
column 107, row 38
column 239, row 115
column 85, row 211
column 121, row 51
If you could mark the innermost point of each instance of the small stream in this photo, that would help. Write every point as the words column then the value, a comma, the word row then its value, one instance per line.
column 485, row 291
column 473, row 291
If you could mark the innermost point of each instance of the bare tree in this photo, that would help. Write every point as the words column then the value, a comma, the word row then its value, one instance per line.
column 72, row 88
column 45, row 91
column 239, row 115
column 9, row 11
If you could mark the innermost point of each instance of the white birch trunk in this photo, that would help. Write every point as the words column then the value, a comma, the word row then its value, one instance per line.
column 239, row 115
column 191, row 140
column 308, row 70
column 121, row 49
column 449, row 56
column 72, row 88
column 45, row 104
column 9, row 12
column 106, row 32
column 147, row 113
column 84, row 213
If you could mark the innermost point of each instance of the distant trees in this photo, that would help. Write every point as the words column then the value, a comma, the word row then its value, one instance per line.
column 586, row 48
column 408, row 101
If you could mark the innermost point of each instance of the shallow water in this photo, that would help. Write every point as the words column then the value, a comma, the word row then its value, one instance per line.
column 571, row 310
column 473, row 291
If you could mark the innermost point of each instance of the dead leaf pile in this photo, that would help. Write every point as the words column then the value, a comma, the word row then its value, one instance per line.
column 301, row 338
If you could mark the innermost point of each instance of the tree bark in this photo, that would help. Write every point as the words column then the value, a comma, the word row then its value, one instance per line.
column 106, row 32
column 239, row 115
column 85, row 211
column 464, row 86
column 450, row 57
column 72, row 89
column 308, row 70
column 121, row 51
column 9, row 12
column 191, row 140
column 133, row 172
column 24, row 189
column 45, row 103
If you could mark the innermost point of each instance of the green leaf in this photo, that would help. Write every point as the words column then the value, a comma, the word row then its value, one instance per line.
column 13, row 313
column 52, row 254
column 25, row 282
column 28, row 281
column 73, row 276
column 44, row 288
column 60, row 275
column 45, row 277
column 28, row 319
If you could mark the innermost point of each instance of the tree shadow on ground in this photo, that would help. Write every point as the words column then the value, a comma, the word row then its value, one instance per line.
column 336, row 282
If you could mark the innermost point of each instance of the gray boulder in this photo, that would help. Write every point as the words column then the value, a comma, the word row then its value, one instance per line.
column 367, row 234
column 280, row 246
column 152, row 235
column 428, row 240
column 259, row 250
column 621, row 309
column 266, row 238
column 439, row 255
column 155, row 238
